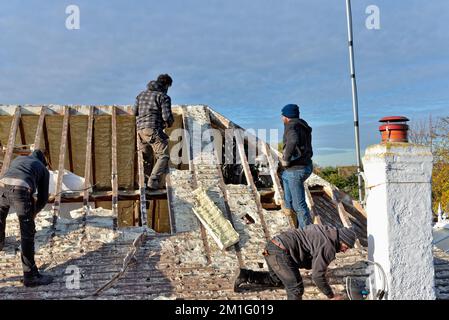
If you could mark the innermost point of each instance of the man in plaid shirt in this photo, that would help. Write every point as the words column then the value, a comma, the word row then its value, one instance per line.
column 153, row 114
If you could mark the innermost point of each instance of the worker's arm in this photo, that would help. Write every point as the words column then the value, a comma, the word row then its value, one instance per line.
column 42, row 191
column 291, row 142
column 167, row 115
column 319, row 268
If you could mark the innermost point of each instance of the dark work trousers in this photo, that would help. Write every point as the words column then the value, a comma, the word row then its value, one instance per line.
column 154, row 142
column 22, row 201
column 282, row 268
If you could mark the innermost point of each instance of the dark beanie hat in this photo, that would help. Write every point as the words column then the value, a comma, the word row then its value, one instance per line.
column 165, row 80
column 347, row 236
column 290, row 111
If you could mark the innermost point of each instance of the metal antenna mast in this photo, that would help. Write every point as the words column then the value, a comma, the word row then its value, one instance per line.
column 355, row 102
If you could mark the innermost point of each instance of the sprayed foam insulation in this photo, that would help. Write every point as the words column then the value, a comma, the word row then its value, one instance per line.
column 78, row 136
column 212, row 218
column 30, row 123
column 102, row 145
column 54, row 129
column 126, row 147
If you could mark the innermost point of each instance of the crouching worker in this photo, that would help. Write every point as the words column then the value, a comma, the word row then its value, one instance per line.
column 17, row 186
column 313, row 247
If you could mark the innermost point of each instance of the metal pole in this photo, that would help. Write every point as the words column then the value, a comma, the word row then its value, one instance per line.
column 355, row 102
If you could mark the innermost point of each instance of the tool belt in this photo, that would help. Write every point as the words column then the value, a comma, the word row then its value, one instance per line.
column 16, row 184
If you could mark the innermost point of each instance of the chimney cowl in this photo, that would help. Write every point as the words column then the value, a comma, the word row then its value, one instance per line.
column 394, row 129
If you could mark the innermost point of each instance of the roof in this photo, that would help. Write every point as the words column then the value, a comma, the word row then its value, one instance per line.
column 185, row 262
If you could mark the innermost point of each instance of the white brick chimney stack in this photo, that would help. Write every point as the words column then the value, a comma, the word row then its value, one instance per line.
column 399, row 207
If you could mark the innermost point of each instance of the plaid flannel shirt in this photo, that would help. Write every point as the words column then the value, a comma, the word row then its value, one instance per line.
column 153, row 108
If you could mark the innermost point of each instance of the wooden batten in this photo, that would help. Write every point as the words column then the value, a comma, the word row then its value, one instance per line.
column 171, row 212
column 39, row 131
column 114, row 173
column 88, row 163
column 62, row 152
column 279, row 192
column 142, row 187
column 11, row 140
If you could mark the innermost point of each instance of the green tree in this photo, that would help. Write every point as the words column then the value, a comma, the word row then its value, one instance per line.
column 435, row 134
column 347, row 184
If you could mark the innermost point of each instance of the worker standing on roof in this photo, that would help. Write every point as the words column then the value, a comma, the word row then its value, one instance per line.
column 313, row 247
column 297, row 162
column 153, row 114
column 17, row 186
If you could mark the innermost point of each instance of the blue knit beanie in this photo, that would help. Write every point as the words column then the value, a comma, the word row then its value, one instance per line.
column 290, row 111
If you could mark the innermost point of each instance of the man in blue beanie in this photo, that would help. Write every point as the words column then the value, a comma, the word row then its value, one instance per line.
column 297, row 162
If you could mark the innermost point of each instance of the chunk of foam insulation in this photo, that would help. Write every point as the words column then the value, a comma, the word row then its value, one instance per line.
column 70, row 182
column 212, row 218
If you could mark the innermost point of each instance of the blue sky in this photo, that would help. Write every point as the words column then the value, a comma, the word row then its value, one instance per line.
column 244, row 58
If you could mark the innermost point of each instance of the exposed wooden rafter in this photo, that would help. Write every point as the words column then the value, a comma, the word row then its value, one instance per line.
column 88, row 162
column 310, row 203
column 279, row 193
column 250, row 181
column 114, row 173
column 62, row 152
column 142, row 187
column 222, row 186
column 171, row 212
column 40, row 128
column 11, row 140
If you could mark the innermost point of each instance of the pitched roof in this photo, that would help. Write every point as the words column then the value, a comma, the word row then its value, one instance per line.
column 185, row 263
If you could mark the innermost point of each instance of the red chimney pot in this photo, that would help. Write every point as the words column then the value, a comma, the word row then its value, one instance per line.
column 394, row 129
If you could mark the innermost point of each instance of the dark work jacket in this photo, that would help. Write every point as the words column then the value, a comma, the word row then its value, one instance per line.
column 297, row 149
column 34, row 172
column 314, row 248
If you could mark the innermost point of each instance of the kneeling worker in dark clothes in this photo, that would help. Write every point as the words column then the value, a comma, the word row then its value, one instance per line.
column 17, row 186
column 313, row 247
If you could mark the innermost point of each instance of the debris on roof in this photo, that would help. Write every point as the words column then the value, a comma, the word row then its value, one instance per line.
column 213, row 220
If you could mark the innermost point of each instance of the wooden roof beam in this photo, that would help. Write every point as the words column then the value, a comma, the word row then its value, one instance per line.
column 114, row 173
column 11, row 140
column 142, row 186
column 250, row 181
column 39, row 130
column 88, row 162
column 62, row 152
column 74, row 110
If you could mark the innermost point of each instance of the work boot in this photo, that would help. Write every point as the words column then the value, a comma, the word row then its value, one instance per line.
column 241, row 277
column 34, row 278
column 254, row 280
column 292, row 215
